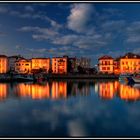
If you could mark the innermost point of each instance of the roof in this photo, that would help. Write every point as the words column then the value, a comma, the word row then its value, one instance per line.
column 15, row 56
column 23, row 59
column 131, row 56
column 41, row 58
column 3, row 56
column 59, row 57
column 105, row 57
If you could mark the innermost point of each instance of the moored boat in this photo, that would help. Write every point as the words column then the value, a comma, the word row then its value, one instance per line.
column 23, row 77
column 125, row 77
column 136, row 78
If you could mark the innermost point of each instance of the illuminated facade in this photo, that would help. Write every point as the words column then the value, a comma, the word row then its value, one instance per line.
column 3, row 64
column 130, row 63
column 59, row 65
column 41, row 63
column 23, row 66
column 106, row 64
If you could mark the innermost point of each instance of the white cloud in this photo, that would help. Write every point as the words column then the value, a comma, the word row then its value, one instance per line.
column 113, row 25
column 3, row 10
column 79, row 17
column 133, row 32
column 29, row 8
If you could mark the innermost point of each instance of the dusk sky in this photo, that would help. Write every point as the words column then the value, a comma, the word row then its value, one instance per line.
column 74, row 29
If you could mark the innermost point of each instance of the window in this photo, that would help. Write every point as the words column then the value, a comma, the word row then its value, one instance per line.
column 108, row 68
column 103, row 68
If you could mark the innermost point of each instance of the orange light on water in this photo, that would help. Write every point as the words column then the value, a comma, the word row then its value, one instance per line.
column 59, row 89
column 129, row 93
column 3, row 91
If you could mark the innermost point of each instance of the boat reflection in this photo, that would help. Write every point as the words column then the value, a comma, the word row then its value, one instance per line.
column 66, row 89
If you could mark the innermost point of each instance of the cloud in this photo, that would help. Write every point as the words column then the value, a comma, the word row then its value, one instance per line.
column 80, row 16
column 3, row 34
column 30, row 13
column 39, row 33
column 113, row 25
column 133, row 32
column 3, row 10
column 29, row 8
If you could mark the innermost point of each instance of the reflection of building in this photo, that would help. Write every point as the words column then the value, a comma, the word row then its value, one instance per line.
column 3, row 91
column 130, row 63
column 3, row 64
column 41, row 63
column 59, row 65
column 34, row 91
column 129, row 93
column 107, row 90
column 106, row 64
column 23, row 66
column 59, row 90
column 12, row 60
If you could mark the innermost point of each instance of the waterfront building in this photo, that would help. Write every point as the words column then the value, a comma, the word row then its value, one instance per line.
column 23, row 66
column 3, row 64
column 59, row 65
column 106, row 64
column 116, row 66
column 41, row 63
column 12, row 60
column 130, row 63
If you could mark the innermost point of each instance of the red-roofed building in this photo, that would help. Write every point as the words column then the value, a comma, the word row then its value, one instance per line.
column 106, row 64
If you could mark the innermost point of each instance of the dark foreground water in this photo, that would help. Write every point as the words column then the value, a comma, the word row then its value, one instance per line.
column 70, row 109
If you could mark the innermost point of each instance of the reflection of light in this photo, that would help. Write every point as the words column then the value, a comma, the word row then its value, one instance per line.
column 59, row 89
column 40, row 92
column 3, row 91
column 96, row 88
column 33, row 90
column 129, row 93
column 106, row 90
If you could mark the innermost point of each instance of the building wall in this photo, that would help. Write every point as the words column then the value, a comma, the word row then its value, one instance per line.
column 128, row 65
column 23, row 66
column 59, row 65
column 3, row 65
column 12, row 60
column 38, row 63
column 106, row 65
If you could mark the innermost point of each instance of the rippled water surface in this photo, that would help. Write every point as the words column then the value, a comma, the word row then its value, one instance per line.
column 76, row 108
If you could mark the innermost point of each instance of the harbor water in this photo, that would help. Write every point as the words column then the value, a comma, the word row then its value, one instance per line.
column 70, row 108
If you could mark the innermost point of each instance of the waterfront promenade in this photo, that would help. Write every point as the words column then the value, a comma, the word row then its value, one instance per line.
column 81, row 76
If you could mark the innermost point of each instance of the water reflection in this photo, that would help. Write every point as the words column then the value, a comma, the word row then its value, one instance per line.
column 65, row 89
column 3, row 91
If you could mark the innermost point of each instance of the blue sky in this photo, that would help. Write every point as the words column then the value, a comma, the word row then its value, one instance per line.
column 74, row 29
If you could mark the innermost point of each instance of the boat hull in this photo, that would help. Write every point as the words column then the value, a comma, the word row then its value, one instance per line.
column 136, row 80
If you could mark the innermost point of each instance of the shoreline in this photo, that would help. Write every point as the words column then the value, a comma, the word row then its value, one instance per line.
column 71, row 76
